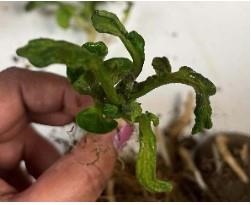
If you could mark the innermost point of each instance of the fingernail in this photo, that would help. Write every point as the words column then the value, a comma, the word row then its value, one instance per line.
column 122, row 136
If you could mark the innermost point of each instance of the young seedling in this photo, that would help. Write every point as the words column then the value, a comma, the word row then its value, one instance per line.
column 112, row 84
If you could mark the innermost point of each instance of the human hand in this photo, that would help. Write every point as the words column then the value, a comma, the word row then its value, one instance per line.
column 28, row 96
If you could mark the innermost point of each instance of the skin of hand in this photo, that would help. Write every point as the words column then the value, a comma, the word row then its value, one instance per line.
column 32, row 96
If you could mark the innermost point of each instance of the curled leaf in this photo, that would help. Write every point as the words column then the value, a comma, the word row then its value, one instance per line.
column 111, row 111
column 117, row 68
column 97, row 48
column 154, row 118
column 106, row 22
column 132, row 110
column 161, row 65
column 43, row 52
column 82, row 86
column 203, row 87
column 146, row 160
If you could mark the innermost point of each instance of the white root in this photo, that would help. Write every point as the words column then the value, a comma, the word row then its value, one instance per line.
column 244, row 154
column 162, row 146
column 187, row 158
column 221, row 143
column 217, row 158
column 177, row 126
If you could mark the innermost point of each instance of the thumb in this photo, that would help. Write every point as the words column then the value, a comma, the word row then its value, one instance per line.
column 82, row 174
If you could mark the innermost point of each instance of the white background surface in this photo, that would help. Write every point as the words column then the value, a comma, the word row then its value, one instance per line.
column 210, row 37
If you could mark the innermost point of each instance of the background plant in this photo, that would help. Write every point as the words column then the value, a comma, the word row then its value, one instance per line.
column 78, row 14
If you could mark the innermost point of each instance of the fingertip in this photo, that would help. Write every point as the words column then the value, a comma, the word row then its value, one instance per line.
column 81, row 175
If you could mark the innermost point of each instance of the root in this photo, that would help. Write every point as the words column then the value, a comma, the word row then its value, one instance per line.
column 162, row 146
column 178, row 125
column 217, row 158
column 244, row 154
column 221, row 143
column 187, row 158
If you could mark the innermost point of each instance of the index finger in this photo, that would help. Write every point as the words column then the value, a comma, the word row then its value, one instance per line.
column 46, row 98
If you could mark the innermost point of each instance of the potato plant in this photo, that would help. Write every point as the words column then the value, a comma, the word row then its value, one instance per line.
column 113, row 85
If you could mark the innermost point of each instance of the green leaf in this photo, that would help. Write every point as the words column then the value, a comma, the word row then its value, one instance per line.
column 106, row 22
column 74, row 73
column 154, row 118
column 91, row 120
column 132, row 110
column 146, row 159
column 135, row 44
column 43, row 52
column 203, row 87
column 82, row 86
column 97, row 48
column 118, row 68
column 64, row 14
column 161, row 65
column 111, row 111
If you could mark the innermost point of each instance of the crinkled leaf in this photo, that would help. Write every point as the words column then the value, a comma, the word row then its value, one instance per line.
column 64, row 14
column 90, row 84
column 146, row 159
column 161, row 65
column 82, row 86
column 203, row 87
column 91, row 120
column 74, row 73
column 97, row 48
column 154, row 118
column 106, row 22
column 132, row 110
column 117, row 68
column 111, row 111
column 43, row 52
column 135, row 44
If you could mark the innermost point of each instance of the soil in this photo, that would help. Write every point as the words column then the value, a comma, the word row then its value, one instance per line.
column 224, row 184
